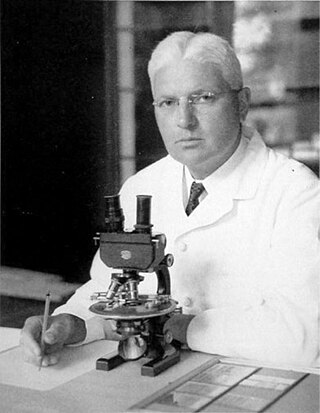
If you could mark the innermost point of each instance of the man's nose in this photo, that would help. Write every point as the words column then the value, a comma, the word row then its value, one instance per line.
column 186, row 116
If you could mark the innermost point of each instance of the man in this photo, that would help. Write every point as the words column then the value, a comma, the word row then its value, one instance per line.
column 246, row 258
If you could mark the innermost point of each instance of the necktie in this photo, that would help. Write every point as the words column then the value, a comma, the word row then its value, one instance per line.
column 195, row 191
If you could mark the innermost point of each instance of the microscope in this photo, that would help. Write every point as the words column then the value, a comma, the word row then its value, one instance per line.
column 139, row 318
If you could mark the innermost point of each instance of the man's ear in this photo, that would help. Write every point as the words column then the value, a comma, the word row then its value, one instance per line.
column 244, row 102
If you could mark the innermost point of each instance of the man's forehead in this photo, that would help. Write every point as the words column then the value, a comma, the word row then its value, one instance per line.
column 185, row 76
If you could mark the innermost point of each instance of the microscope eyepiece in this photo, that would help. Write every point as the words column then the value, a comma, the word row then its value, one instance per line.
column 143, row 214
column 113, row 214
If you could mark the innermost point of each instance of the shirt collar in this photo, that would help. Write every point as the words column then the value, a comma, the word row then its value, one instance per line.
column 211, row 181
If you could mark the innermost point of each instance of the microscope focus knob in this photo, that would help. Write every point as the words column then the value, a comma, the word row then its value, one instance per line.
column 168, row 260
column 168, row 336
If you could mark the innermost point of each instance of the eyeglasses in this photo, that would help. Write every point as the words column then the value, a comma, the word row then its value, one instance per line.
column 203, row 99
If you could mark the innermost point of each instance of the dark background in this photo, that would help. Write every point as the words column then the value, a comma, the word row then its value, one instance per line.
column 59, row 155
column 60, row 133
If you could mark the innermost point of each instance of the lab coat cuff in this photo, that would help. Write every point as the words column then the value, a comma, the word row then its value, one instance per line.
column 94, row 331
column 178, row 326
column 202, row 338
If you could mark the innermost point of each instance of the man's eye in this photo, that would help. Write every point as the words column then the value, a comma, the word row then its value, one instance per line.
column 166, row 103
column 204, row 98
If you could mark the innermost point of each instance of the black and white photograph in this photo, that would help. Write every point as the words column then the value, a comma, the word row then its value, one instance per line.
column 160, row 206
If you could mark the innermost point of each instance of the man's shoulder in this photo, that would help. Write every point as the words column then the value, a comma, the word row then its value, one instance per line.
column 278, row 163
column 276, row 172
column 155, row 170
column 150, row 177
column 290, row 169
column 288, row 180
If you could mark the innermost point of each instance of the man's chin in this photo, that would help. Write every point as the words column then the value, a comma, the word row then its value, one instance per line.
column 192, row 161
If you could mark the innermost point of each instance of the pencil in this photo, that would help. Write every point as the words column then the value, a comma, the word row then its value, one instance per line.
column 44, row 327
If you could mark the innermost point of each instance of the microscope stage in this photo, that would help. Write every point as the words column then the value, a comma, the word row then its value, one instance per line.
column 145, row 307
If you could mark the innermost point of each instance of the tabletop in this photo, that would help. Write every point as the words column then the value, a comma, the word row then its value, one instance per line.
column 85, row 389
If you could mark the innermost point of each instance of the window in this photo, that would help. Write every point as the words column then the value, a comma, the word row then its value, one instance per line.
column 277, row 44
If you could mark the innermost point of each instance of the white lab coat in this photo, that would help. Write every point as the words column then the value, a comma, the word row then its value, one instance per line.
column 246, row 259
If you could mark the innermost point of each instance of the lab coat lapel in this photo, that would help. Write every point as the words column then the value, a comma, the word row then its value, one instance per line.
column 172, row 191
column 241, row 184
column 210, row 210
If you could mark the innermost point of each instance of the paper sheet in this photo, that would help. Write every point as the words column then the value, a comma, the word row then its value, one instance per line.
column 9, row 337
column 74, row 362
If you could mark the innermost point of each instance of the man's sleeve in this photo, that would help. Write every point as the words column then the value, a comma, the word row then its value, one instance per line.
column 78, row 305
column 283, row 327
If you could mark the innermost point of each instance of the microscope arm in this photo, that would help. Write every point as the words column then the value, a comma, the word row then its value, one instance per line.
column 163, row 276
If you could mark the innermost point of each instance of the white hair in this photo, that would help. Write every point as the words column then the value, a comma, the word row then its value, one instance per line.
column 200, row 47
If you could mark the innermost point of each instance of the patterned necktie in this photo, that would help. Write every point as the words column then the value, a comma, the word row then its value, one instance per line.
column 195, row 192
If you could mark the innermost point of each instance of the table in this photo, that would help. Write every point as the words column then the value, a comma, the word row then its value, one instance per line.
column 117, row 390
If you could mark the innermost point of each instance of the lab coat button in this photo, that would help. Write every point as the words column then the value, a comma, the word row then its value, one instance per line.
column 182, row 246
column 187, row 302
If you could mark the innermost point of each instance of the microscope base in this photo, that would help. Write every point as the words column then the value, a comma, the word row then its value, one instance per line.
column 150, row 369
column 109, row 363
column 159, row 364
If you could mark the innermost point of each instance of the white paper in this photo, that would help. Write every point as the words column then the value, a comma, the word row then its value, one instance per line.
column 9, row 337
column 74, row 362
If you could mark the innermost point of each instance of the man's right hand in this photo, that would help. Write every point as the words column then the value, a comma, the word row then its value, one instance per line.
column 62, row 329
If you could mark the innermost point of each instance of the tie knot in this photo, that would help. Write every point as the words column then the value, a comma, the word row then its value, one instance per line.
column 196, row 189
column 195, row 192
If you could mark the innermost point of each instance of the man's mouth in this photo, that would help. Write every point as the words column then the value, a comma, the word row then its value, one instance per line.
column 190, row 139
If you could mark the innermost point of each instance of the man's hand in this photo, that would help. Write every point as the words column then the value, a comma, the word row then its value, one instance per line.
column 178, row 324
column 62, row 329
